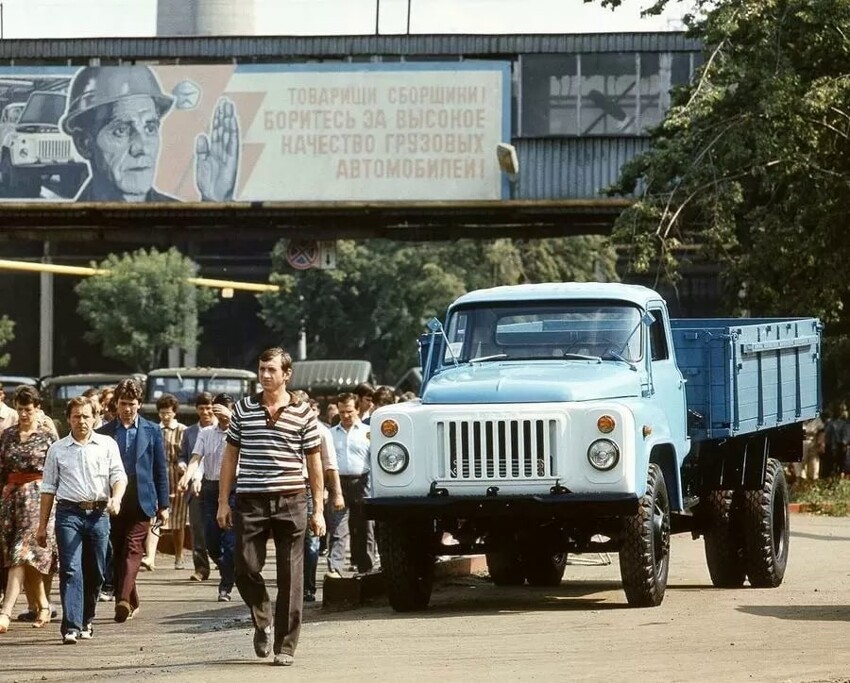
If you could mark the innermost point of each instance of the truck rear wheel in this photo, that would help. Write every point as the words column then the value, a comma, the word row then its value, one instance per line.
column 724, row 539
column 505, row 568
column 545, row 569
column 408, row 564
column 645, row 548
column 766, row 529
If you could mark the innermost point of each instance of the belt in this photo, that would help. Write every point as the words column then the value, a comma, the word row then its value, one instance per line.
column 23, row 477
column 83, row 504
column 353, row 476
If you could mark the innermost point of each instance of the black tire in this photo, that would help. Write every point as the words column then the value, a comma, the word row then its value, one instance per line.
column 545, row 569
column 505, row 568
column 724, row 539
column 645, row 545
column 407, row 563
column 766, row 529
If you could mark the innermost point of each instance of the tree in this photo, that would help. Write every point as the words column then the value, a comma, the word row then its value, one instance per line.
column 143, row 306
column 751, row 164
column 374, row 305
column 7, row 334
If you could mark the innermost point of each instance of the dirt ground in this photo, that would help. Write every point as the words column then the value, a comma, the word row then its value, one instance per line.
column 473, row 631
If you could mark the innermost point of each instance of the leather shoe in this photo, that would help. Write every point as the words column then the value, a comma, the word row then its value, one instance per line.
column 123, row 610
column 263, row 641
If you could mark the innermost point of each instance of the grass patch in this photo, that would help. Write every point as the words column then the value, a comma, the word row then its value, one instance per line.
column 823, row 496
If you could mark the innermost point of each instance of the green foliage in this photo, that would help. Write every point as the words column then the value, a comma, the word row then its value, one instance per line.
column 751, row 163
column 375, row 303
column 823, row 496
column 7, row 334
column 143, row 306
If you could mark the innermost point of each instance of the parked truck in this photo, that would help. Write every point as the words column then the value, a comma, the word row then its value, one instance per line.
column 572, row 418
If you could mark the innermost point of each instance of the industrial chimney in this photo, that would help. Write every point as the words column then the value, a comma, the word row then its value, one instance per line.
column 205, row 17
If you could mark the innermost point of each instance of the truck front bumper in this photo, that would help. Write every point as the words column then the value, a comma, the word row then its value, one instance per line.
column 546, row 506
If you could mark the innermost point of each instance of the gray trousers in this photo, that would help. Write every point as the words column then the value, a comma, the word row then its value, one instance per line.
column 284, row 518
column 350, row 522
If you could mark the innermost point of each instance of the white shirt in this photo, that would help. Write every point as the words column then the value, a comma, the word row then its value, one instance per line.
column 329, row 461
column 8, row 417
column 79, row 472
column 210, row 447
column 352, row 449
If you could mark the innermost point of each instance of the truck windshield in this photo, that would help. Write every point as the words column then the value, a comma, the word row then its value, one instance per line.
column 44, row 108
column 546, row 330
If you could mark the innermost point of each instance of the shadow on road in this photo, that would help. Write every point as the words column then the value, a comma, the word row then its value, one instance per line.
column 819, row 537
column 800, row 612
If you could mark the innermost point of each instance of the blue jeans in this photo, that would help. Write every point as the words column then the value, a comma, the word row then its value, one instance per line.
column 82, row 538
column 311, row 551
column 221, row 543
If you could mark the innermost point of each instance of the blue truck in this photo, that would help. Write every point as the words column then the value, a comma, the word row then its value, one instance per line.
column 578, row 417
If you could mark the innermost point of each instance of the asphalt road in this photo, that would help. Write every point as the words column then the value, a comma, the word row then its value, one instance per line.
column 473, row 631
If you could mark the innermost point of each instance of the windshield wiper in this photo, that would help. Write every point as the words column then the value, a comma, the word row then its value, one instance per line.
column 610, row 354
column 581, row 356
column 481, row 359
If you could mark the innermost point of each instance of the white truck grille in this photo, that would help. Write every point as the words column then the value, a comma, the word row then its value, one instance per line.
column 497, row 449
column 54, row 150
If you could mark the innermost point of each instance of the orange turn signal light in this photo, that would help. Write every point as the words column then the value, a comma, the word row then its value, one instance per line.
column 389, row 428
column 606, row 424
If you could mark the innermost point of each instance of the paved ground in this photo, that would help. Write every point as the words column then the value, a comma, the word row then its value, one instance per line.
column 476, row 631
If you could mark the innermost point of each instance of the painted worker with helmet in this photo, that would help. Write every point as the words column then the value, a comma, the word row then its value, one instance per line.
column 114, row 116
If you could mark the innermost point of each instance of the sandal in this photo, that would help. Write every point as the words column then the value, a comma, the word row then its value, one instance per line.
column 42, row 618
column 5, row 621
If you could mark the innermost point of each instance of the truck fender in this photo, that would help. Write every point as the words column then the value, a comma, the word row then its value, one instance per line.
column 663, row 454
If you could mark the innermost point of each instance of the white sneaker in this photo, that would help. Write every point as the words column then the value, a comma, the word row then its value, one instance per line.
column 70, row 638
column 87, row 633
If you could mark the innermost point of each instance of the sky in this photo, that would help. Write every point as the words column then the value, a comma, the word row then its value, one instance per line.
column 103, row 18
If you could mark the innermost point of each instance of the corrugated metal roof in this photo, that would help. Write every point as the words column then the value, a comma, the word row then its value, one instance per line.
column 270, row 48
column 572, row 168
column 323, row 377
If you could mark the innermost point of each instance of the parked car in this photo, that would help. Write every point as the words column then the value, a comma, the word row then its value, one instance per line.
column 12, row 382
column 37, row 150
column 59, row 389
column 326, row 378
column 186, row 383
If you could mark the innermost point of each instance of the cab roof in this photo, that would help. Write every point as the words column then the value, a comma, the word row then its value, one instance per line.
column 615, row 291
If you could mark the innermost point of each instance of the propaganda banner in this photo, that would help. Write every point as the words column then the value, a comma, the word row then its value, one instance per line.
column 246, row 133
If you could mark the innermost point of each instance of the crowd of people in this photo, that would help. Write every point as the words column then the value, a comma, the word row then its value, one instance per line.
column 92, row 506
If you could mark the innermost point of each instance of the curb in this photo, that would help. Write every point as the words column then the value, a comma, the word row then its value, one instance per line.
column 798, row 508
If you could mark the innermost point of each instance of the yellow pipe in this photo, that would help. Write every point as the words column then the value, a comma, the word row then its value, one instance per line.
column 7, row 264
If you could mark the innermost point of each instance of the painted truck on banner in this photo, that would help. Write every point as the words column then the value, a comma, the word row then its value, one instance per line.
column 222, row 133
column 572, row 418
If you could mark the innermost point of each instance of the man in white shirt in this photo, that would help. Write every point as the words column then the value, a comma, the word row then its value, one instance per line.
column 351, row 442
column 8, row 417
column 83, row 472
column 207, row 454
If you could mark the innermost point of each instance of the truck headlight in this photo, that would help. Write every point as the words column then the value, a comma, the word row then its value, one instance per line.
column 393, row 458
column 603, row 454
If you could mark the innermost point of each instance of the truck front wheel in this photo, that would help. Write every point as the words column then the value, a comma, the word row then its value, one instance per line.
column 408, row 564
column 645, row 545
column 766, row 529
column 724, row 539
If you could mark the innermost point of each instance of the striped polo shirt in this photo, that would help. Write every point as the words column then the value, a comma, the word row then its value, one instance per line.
column 271, row 451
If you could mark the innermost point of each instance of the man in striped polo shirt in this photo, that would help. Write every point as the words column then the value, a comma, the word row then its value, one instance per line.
column 271, row 436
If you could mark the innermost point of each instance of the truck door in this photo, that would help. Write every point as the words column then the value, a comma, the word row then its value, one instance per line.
column 667, row 379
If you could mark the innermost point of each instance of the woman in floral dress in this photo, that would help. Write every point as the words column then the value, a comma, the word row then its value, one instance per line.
column 23, row 449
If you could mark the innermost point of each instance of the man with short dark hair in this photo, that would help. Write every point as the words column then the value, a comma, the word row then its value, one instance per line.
column 271, row 436
column 207, row 451
column 363, row 393
column 84, row 474
column 351, row 442
column 206, row 418
column 143, row 455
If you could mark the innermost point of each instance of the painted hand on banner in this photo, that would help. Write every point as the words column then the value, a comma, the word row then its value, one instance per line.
column 217, row 155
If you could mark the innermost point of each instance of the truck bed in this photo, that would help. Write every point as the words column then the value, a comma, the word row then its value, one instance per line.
column 748, row 374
